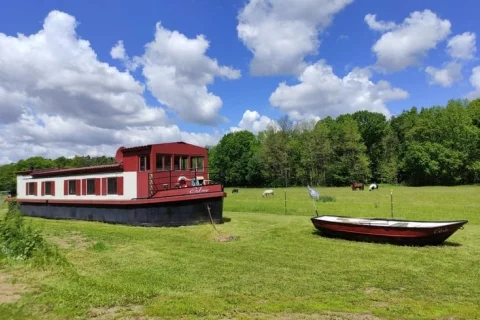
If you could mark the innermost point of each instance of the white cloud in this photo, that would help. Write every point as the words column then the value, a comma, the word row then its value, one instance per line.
column 462, row 46
column 475, row 81
column 253, row 122
column 280, row 33
column 321, row 93
column 56, row 72
column 178, row 72
column 58, row 99
column 118, row 51
column 306, row 117
column 54, row 136
column 371, row 20
column 446, row 76
column 408, row 42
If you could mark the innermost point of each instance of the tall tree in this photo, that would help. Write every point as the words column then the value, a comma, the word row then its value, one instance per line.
column 372, row 127
column 235, row 159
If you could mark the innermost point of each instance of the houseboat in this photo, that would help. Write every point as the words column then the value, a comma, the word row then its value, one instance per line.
column 153, row 185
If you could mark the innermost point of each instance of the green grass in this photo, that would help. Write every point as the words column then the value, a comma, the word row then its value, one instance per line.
column 278, row 267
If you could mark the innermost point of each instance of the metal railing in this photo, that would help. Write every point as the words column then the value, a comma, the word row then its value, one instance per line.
column 173, row 179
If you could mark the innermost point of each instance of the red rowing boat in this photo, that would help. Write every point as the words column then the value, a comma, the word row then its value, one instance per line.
column 405, row 232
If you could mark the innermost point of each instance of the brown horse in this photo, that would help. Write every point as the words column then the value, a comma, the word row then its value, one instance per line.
column 357, row 185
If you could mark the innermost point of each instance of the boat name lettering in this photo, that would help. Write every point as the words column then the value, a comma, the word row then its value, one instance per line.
column 199, row 190
column 440, row 230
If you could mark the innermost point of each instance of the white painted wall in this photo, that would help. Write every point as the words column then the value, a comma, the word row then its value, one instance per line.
column 129, row 187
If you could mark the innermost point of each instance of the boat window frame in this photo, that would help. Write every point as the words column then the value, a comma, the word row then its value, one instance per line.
column 47, row 188
column 109, row 187
column 92, row 189
column 31, row 188
column 72, row 191
column 144, row 162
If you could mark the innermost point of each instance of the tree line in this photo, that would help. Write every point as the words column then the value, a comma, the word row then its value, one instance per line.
column 432, row 146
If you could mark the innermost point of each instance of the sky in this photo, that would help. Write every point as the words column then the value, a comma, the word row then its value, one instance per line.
column 86, row 77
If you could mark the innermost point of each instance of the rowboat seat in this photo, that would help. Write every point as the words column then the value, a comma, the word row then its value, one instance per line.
column 400, row 224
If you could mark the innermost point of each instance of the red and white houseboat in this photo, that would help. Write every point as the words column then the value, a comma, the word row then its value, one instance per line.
column 153, row 185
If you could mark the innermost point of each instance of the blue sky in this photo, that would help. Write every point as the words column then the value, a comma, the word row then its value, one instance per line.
column 341, row 71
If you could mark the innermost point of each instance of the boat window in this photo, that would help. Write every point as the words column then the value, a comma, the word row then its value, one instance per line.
column 193, row 163
column 31, row 188
column 176, row 162
column 112, row 186
column 196, row 163
column 144, row 163
column 184, row 163
column 90, row 186
column 72, row 187
column 159, row 162
column 48, row 188
column 200, row 164
column 168, row 162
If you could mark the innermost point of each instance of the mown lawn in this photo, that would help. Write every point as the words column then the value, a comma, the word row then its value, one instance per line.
column 278, row 268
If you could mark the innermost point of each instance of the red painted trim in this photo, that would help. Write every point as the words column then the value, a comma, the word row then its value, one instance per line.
column 35, row 188
column 120, row 186
column 142, row 184
column 65, row 187
column 104, row 186
column 77, row 187
column 84, row 187
column 130, row 202
column 75, row 171
column 53, row 188
column 97, row 186
column 43, row 188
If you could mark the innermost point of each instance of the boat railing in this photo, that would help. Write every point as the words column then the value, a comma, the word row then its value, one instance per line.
column 174, row 179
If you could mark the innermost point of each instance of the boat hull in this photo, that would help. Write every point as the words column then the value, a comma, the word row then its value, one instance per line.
column 174, row 213
column 418, row 236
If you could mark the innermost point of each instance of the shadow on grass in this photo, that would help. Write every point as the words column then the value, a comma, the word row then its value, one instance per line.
column 227, row 219
column 318, row 233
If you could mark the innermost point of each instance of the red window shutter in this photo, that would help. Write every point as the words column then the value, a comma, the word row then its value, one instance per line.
column 84, row 187
column 43, row 188
column 35, row 188
column 77, row 187
column 53, row 187
column 97, row 186
column 104, row 186
column 65, row 187
column 26, row 187
column 120, row 186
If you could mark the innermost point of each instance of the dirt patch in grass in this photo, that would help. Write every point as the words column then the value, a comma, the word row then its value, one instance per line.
column 74, row 240
column 306, row 316
column 130, row 312
column 371, row 290
column 226, row 237
column 10, row 292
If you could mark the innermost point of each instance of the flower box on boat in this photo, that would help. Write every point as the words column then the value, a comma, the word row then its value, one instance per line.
column 154, row 185
column 407, row 232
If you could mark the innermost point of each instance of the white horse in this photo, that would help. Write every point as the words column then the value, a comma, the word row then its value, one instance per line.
column 268, row 192
column 373, row 186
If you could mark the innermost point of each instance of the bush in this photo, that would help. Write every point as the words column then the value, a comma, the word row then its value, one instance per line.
column 326, row 199
column 20, row 241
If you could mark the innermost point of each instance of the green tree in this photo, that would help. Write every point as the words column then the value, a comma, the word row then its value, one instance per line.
column 372, row 127
column 235, row 161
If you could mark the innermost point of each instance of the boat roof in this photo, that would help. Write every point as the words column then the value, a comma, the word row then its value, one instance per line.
column 149, row 146
column 69, row 171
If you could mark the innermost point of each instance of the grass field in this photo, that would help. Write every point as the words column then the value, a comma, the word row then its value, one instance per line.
column 278, row 268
